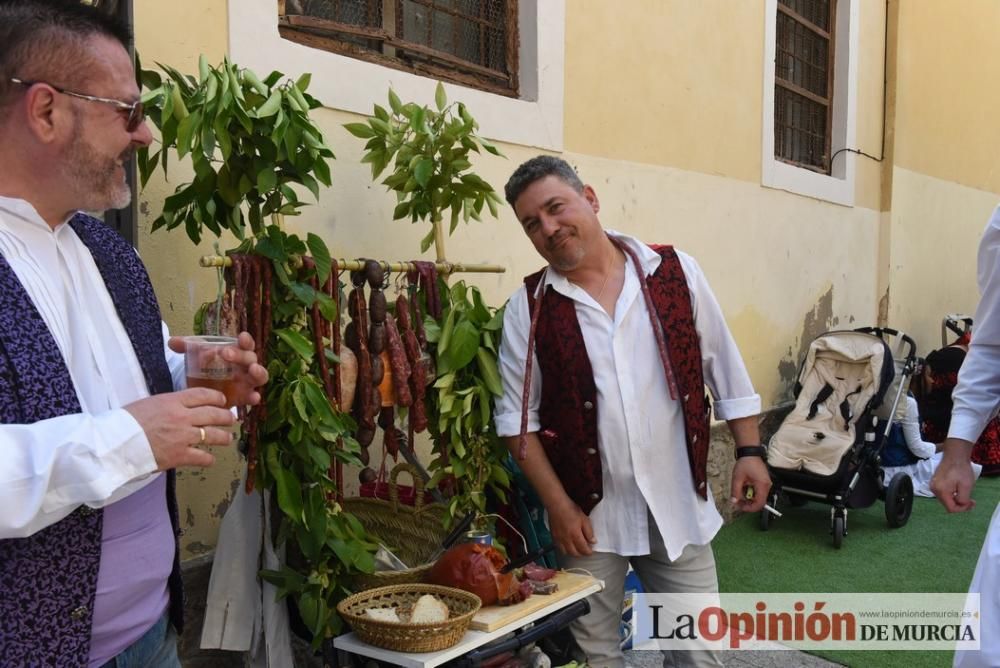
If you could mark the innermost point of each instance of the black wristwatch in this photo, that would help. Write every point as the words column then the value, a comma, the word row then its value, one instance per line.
column 751, row 451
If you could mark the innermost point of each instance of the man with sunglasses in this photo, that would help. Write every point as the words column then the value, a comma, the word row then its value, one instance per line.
column 91, row 427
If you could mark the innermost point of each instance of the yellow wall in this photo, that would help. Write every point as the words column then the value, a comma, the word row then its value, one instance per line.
column 666, row 82
column 679, row 83
column 947, row 97
column 175, row 33
column 662, row 115
column 944, row 177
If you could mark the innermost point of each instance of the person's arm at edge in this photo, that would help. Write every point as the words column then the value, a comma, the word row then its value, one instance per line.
column 736, row 402
column 911, row 431
column 571, row 529
column 978, row 389
column 53, row 466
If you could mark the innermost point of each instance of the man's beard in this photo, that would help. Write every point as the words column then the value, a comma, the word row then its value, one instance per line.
column 95, row 177
column 566, row 258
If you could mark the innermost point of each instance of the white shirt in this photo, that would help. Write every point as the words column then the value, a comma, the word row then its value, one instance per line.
column 101, row 455
column 977, row 395
column 640, row 430
column 911, row 431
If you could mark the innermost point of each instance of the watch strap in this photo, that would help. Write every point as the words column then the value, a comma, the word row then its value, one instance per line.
column 751, row 451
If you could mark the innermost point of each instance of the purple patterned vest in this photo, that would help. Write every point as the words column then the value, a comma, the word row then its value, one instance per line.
column 48, row 580
column 568, row 410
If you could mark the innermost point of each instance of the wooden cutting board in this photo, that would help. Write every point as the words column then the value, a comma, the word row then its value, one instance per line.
column 495, row 616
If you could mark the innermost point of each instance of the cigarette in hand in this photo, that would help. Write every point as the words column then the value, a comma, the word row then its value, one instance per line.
column 771, row 510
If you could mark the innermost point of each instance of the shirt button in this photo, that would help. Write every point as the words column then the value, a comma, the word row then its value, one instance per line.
column 79, row 613
column 591, row 451
column 588, row 405
column 594, row 496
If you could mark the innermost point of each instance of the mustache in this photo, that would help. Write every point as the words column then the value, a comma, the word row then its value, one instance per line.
column 557, row 239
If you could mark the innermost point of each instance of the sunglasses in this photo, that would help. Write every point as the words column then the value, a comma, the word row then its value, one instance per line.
column 136, row 112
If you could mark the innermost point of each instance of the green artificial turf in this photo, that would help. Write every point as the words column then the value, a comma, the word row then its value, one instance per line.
column 934, row 552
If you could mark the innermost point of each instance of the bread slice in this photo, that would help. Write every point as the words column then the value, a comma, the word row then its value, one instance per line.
column 383, row 614
column 428, row 610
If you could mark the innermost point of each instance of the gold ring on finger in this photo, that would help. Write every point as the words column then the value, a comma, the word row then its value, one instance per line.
column 201, row 440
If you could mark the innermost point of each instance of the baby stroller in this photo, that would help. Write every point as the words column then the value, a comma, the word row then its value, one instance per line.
column 827, row 449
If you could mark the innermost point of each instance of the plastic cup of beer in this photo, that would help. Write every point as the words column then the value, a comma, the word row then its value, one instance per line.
column 206, row 367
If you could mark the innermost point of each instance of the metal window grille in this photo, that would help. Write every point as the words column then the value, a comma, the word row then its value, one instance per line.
column 471, row 42
column 803, row 82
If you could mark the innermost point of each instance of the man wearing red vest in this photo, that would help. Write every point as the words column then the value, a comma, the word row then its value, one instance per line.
column 606, row 353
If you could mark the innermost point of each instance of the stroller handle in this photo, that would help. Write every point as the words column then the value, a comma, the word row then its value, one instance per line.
column 882, row 331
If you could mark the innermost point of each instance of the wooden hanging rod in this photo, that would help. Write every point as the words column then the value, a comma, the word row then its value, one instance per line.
column 443, row 267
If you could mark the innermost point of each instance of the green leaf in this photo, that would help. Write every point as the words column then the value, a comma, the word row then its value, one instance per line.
column 299, row 401
column 320, row 457
column 329, row 311
column 423, row 171
column 360, row 130
column 432, row 330
column 488, row 371
column 303, row 82
column 463, row 345
column 289, row 492
column 380, row 126
column 427, row 241
column 267, row 180
column 445, row 381
column 417, row 120
column 446, row 332
column 306, row 294
column 271, row 107
column 490, row 148
column 300, row 344
column 394, row 102
column 496, row 322
column 402, row 210
column 321, row 255
column 317, row 399
column 440, row 99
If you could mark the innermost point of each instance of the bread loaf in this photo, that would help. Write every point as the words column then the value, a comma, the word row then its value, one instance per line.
column 383, row 614
column 428, row 610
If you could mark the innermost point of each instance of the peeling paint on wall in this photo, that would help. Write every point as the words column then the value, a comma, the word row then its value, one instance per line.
column 883, row 309
column 221, row 508
column 197, row 547
column 817, row 320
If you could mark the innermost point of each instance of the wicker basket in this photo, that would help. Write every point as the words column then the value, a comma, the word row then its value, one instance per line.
column 401, row 637
column 413, row 533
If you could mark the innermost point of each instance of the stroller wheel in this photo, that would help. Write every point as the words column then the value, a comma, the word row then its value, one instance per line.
column 838, row 531
column 899, row 500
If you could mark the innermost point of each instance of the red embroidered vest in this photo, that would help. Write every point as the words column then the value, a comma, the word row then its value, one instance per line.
column 568, row 411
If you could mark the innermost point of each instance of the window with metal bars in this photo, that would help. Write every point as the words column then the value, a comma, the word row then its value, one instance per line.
column 803, row 82
column 469, row 42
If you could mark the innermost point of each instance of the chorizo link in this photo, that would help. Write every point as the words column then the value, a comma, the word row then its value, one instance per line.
column 398, row 363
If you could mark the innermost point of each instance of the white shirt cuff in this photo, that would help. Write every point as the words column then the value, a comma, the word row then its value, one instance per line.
column 124, row 455
column 967, row 426
column 741, row 407
column 509, row 424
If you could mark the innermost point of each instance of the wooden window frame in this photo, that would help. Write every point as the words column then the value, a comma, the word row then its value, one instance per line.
column 827, row 102
column 309, row 31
